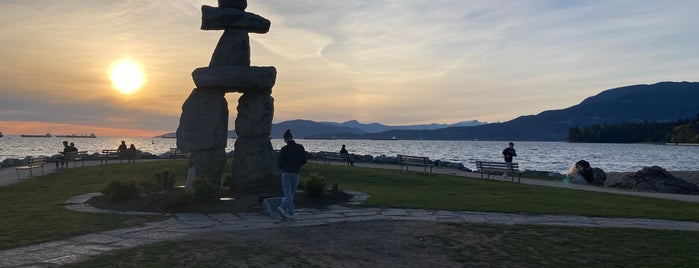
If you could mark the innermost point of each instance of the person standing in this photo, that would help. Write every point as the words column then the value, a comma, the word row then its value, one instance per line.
column 344, row 153
column 291, row 157
column 509, row 153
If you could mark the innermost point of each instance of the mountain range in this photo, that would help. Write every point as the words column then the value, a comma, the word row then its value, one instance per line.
column 661, row 102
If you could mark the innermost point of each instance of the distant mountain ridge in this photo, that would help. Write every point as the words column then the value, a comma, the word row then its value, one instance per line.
column 660, row 102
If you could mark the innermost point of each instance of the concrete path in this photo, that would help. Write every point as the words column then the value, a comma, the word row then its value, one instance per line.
column 74, row 249
column 79, row 248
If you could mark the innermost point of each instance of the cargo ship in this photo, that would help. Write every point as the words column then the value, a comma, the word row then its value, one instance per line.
column 47, row 135
column 92, row 135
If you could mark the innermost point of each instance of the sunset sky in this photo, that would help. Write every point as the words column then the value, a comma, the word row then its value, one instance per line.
column 387, row 61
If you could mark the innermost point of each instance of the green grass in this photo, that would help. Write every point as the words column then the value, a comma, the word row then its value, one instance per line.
column 391, row 188
column 32, row 211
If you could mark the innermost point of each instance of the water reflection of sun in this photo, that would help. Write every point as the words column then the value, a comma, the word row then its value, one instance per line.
column 126, row 75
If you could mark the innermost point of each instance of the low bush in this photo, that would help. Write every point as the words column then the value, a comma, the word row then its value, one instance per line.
column 314, row 185
column 120, row 191
column 165, row 178
column 204, row 190
column 177, row 199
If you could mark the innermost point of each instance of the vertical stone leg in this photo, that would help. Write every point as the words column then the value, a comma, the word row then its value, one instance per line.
column 203, row 132
column 210, row 164
column 255, row 169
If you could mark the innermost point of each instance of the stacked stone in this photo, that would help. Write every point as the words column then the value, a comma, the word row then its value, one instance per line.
column 204, row 122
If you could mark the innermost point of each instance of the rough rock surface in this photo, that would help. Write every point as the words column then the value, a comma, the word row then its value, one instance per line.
column 656, row 179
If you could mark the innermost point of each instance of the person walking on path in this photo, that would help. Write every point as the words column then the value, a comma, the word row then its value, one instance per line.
column 508, row 153
column 344, row 153
column 291, row 157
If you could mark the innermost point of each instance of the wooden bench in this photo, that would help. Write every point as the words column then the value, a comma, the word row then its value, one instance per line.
column 176, row 153
column 129, row 155
column 409, row 160
column 75, row 157
column 498, row 168
column 108, row 154
column 34, row 162
column 332, row 156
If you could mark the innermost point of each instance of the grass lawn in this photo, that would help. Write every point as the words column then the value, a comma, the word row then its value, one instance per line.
column 32, row 211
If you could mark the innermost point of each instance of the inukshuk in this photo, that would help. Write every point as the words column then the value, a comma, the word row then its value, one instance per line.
column 204, row 122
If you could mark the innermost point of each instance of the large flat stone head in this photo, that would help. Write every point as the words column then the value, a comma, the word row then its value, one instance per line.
column 236, row 78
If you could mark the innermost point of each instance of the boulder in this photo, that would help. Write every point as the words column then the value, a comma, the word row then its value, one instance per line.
column 582, row 172
column 230, row 78
column 204, row 121
column 233, row 48
column 598, row 177
column 11, row 162
column 656, row 179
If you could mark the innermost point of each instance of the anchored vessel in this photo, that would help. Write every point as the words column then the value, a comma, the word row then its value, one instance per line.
column 47, row 135
column 92, row 135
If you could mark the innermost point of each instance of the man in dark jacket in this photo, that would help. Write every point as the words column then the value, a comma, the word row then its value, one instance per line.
column 508, row 153
column 291, row 157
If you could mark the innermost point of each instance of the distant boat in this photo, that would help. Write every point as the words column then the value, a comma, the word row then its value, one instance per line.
column 393, row 138
column 92, row 135
column 47, row 135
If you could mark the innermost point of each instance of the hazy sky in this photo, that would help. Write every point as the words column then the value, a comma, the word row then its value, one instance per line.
column 394, row 62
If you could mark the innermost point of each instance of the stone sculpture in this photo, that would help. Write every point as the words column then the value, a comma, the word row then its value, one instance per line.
column 204, row 121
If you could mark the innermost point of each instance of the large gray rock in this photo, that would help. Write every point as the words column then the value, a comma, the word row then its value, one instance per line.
column 214, row 18
column 656, row 179
column 598, row 177
column 255, row 115
column 233, row 48
column 204, row 121
column 255, row 169
column 236, row 78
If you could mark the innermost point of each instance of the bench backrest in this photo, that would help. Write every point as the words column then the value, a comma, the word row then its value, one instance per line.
column 483, row 165
column 37, row 161
column 413, row 159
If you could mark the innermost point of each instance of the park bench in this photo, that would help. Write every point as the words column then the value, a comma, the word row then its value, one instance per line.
column 34, row 162
column 409, row 160
column 75, row 157
column 176, row 153
column 108, row 154
column 333, row 156
column 499, row 168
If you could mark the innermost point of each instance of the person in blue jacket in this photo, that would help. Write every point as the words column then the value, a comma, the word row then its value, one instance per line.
column 291, row 157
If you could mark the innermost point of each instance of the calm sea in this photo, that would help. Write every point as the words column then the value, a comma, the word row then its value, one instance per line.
column 548, row 156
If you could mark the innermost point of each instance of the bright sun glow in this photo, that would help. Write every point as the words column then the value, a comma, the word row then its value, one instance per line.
column 126, row 76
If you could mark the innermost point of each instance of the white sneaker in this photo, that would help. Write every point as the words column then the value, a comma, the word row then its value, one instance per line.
column 282, row 213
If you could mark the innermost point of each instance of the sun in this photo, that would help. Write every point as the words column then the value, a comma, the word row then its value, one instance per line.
column 127, row 76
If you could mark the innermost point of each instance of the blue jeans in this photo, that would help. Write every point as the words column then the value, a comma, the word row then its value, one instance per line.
column 290, row 182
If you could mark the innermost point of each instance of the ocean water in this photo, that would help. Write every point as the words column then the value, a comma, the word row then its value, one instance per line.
column 546, row 156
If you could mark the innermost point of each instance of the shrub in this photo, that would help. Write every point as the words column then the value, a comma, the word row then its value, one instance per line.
column 176, row 199
column 314, row 185
column 146, row 186
column 204, row 190
column 120, row 191
column 165, row 178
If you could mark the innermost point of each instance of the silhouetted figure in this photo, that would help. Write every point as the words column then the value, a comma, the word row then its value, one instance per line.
column 343, row 152
column 291, row 157
column 508, row 153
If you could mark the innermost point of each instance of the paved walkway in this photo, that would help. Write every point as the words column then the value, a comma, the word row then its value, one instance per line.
column 71, row 250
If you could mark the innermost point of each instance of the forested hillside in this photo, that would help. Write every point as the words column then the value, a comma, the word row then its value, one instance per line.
column 683, row 131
